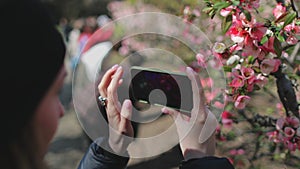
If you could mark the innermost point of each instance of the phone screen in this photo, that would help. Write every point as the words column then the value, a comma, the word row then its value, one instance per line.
column 176, row 88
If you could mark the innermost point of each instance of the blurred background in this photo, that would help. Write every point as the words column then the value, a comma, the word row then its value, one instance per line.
column 78, row 20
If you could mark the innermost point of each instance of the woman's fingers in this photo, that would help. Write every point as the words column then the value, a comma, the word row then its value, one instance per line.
column 174, row 114
column 113, row 105
column 125, row 123
column 198, row 94
column 106, row 79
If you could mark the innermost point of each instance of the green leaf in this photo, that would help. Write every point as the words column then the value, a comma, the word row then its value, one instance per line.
column 277, row 47
column 227, row 68
column 289, row 18
column 235, row 2
column 220, row 5
column 207, row 9
column 248, row 15
column 251, row 59
column 280, row 37
column 264, row 40
column 227, row 22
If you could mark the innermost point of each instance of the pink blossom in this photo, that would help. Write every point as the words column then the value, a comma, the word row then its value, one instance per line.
column 252, row 4
column 291, row 146
column 237, row 82
column 241, row 101
column 250, row 47
column 257, row 31
column 240, row 151
column 210, row 95
column 201, row 60
column 236, row 73
column 292, row 28
column 279, row 123
column 270, row 65
column 226, row 11
column 219, row 105
column 293, row 121
column 280, row 109
column 261, row 80
column 247, row 73
column 245, row 21
column 274, row 136
column 269, row 45
column 207, row 82
column 233, row 152
column 235, row 47
column 289, row 132
column 279, row 10
column 292, row 40
column 261, row 54
column 227, row 119
column 237, row 32
column 250, row 87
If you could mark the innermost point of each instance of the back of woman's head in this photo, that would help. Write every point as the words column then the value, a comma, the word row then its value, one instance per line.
column 32, row 53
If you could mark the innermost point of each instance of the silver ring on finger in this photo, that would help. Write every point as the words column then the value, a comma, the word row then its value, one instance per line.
column 102, row 100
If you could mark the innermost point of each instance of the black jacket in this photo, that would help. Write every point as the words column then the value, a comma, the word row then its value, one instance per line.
column 98, row 158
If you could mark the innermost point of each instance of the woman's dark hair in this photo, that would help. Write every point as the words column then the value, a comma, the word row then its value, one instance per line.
column 32, row 53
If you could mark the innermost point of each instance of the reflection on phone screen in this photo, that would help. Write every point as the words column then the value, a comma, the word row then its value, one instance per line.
column 175, row 89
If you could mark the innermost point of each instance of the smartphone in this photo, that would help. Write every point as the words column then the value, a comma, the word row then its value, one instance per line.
column 176, row 88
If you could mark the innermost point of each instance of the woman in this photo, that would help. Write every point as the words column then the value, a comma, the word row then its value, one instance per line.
column 34, row 51
column 32, row 73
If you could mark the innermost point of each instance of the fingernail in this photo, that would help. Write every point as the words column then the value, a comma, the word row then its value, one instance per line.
column 165, row 110
column 119, row 68
column 128, row 104
column 114, row 66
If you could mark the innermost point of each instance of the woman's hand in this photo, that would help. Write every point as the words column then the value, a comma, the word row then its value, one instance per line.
column 120, row 128
column 196, row 133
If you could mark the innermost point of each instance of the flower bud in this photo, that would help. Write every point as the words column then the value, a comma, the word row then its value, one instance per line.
column 219, row 47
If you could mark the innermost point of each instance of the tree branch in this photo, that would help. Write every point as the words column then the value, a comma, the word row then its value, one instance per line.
column 286, row 93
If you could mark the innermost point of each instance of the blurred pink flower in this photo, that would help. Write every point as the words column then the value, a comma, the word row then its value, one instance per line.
column 292, row 40
column 268, row 66
column 261, row 80
column 291, row 146
column 237, row 82
column 293, row 121
column 201, row 60
column 289, row 132
column 279, row 10
column 207, row 82
column 274, row 136
column 226, row 11
column 279, row 123
column 219, row 105
column 241, row 101
column 227, row 119
column 269, row 45
column 240, row 151
column 247, row 73
column 257, row 31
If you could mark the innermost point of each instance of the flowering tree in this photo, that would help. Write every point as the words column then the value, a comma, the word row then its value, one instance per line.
column 258, row 46
column 260, row 50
